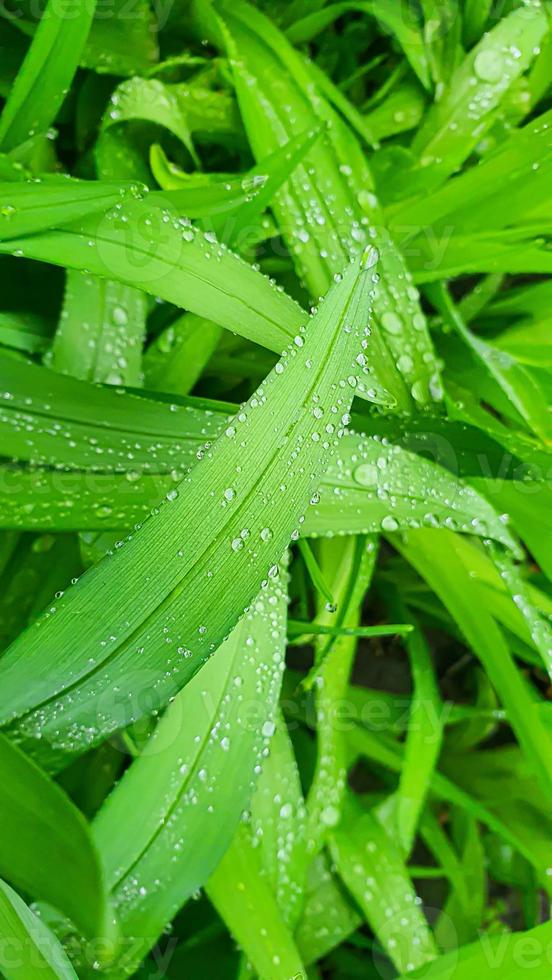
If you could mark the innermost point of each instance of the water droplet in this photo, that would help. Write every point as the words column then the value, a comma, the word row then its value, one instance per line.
column 391, row 322
column 120, row 316
column 330, row 816
column 488, row 66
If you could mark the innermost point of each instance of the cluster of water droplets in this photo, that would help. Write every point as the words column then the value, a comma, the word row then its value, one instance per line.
column 216, row 735
column 374, row 485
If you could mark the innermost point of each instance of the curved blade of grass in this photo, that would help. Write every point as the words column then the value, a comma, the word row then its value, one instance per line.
column 464, row 405
column 373, row 870
column 498, row 590
column 38, row 954
column 514, row 379
column 349, row 565
column 269, row 74
column 468, row 108
column 278, row 825
column 197, row 193
column 46, row 73
column 539, row 626
column 101, row 331
column 149, row 99
column 529, row 504
column 424, row 734
column 33, row 206
column 489, row 953
column 146, row 244
column 328, row 916
column 175, row 360
column 77, row 695
column 182, row 109
column 436, row 559
column 314, row 572
column 197, row 774
column 243, row 898
column 171, row 177
column 387, row 752
column 72, row 424
column 42, row 830
column 378, row 487
column 509, row 169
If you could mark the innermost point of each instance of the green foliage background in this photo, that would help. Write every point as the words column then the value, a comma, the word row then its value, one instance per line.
column 275, row 565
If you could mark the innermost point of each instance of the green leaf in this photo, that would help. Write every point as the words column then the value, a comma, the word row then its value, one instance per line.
column 46, row 73
column 502, row 951
column 516, row 250
column 148, row 245
column 377, row 487
column 475, row 16
column 167, row 824
column 243, row 898
column 465, row 406
column 269, row 74
column 149, row 99
column 43, row 831
column 539, row 627
column 468, row 108
column 423, row 738
column 513, row 378
column 373, row 871
column 111, row 317
column 278, row 825
column 512, row 168
column 387, row 752
column 33, row 206
column 187, row 558
column 528, row 502
column 329, row 916
column 29, row 950
column 399, row 22
column 350, row 563
column 437, row 560
column 72, row 424
column 122, row 44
